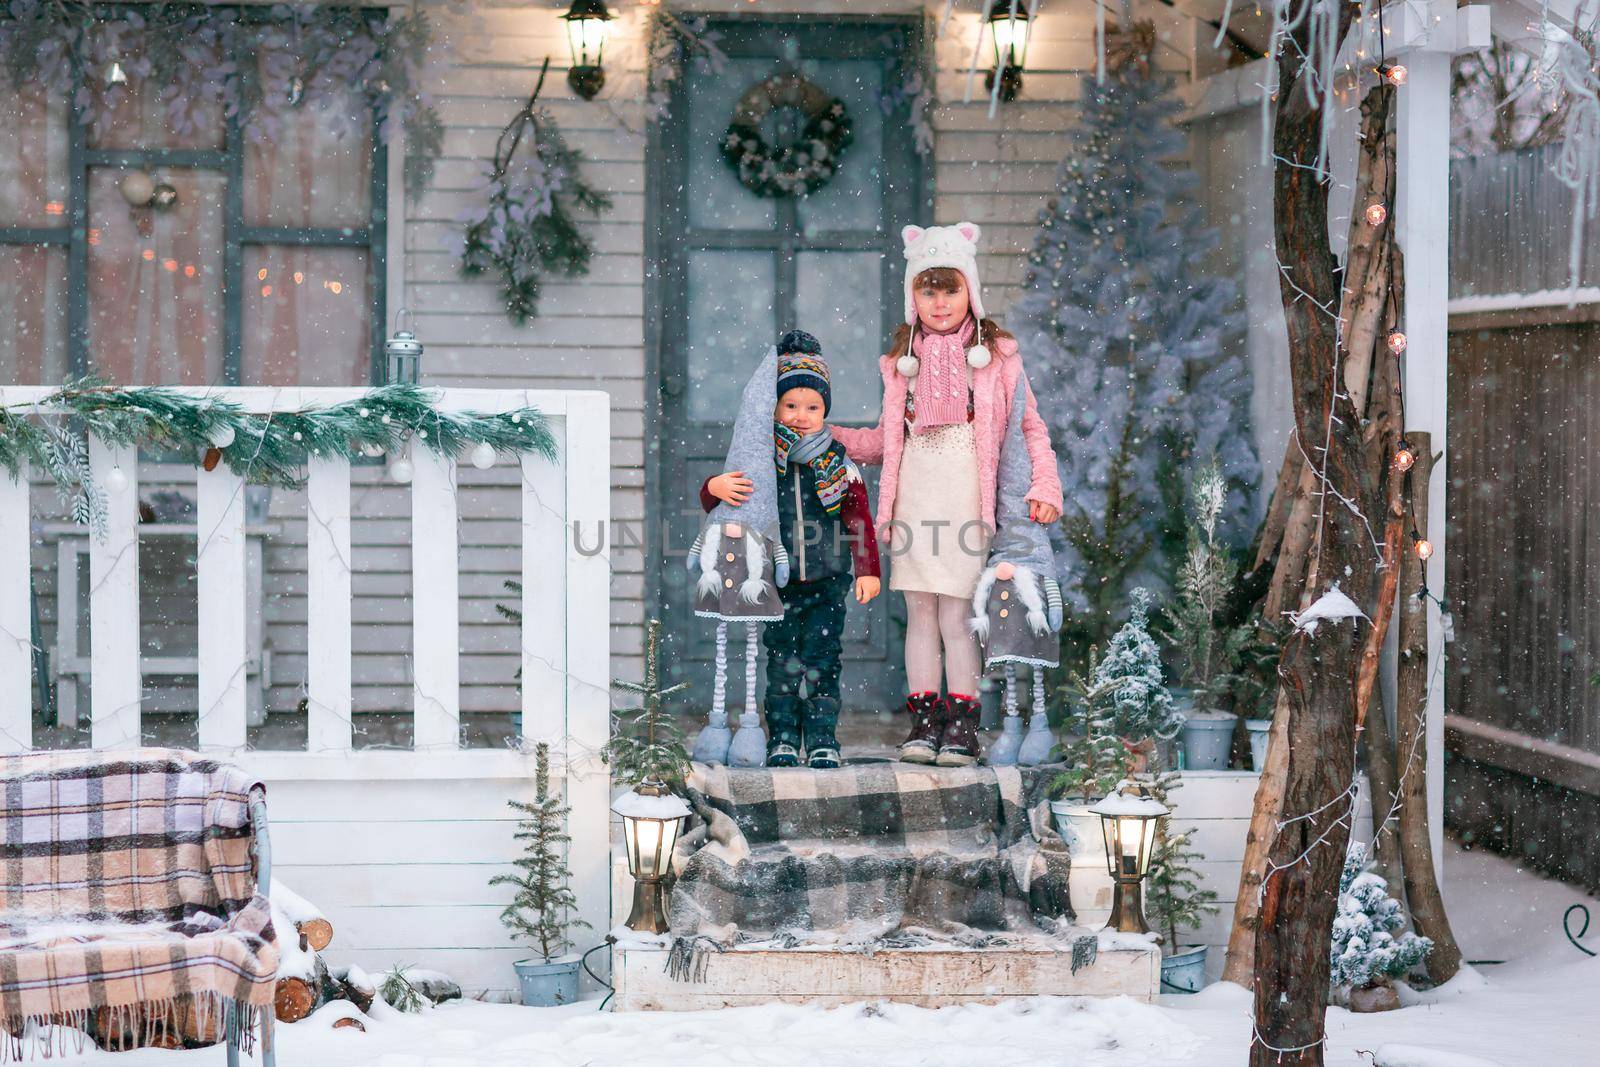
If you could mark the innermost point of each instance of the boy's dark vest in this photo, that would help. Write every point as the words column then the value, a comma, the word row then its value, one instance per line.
column 818, row 543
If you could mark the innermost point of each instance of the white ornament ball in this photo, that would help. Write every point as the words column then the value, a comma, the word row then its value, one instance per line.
column 222, row 436
column 386, row 419
column 298, row 436
column 978, row 357
column 364, row 412
column 908, row 365
column 483, row 456
column 116, row 481
column 400, row 470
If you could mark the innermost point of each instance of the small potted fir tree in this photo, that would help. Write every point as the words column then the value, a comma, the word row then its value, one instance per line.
column 1366, row 955
column 1209, row 652
column 541, row 910
column 1096, row 761
column 1174, row 898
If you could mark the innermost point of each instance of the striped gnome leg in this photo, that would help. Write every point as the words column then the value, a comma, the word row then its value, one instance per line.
column 711, row 744
column 1037, row 745
column 749, row 748
column 1003, row 753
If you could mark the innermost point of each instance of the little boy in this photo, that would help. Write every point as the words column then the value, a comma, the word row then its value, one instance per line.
column 826, row 525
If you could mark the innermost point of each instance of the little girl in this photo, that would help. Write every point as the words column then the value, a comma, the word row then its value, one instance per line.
column 948, row 383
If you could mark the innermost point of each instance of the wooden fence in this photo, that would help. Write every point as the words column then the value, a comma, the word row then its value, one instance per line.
column 395, row 845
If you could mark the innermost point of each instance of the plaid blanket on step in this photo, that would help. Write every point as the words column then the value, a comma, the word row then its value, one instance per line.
column 879, row 852
column 127, row 892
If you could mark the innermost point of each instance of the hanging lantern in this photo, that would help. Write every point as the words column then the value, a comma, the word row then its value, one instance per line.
column 651, row 819
column 1128, row 819
column 115, row 75
column 588, row 24
column 1008, row 33
column 402, row 356
column 1376, row 213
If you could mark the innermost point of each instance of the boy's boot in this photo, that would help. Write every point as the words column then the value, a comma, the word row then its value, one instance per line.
column 958, row 744
column 927, row 711
column 819, row 721
column 783, row 730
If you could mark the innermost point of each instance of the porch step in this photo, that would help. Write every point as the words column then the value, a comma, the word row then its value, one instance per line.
column 930, row 977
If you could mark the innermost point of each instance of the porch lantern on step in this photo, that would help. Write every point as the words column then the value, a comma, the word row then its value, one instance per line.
column 1128, row 818
column 588, row 24
column 1008, row 31
column 402, row 356
column 652, row 816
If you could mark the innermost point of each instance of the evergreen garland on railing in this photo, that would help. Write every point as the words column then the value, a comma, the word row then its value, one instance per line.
column 271, row 448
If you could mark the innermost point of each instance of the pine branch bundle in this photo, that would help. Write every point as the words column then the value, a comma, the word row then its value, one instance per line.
column 541, row 909
column 521, row 227
column 1173, row 888
column 397, row 990
column 646, row 742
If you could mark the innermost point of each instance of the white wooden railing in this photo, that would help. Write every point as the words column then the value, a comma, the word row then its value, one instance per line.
column 565, row 641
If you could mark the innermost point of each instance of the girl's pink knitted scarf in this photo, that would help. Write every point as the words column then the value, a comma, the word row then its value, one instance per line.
column 941, row 397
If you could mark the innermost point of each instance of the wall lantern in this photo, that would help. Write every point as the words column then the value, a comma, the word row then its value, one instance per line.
column 588, row 23
column 1128, row 818
column 1008, row 31
column 652, row 816
column 402, row 356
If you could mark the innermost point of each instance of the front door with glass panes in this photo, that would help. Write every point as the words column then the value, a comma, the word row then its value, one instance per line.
column 736, row 269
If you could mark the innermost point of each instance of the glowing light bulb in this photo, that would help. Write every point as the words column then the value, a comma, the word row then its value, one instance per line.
column 1397, row 342
column 1376, row 213
column 1424, row 548
column 1404, row 459
column 1396, row 75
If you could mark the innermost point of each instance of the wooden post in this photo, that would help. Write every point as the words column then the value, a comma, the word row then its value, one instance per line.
column 1412, row 706
column 220, row 571
column 1423, row 216
column 115, row 685
column 435, row 601
column 16, row 631
column 328, row 577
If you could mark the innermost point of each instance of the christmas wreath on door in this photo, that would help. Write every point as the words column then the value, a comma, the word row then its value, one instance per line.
column 796, row 169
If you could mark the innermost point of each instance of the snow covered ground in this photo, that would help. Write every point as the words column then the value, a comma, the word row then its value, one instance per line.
column 1541, row 1006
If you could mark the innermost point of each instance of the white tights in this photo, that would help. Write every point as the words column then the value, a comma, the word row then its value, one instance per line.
column 937, row 629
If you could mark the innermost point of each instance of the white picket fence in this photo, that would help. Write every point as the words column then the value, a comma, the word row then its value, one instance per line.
column 396, row 846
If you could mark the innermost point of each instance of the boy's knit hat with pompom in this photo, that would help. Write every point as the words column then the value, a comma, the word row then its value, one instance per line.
column 801, row 366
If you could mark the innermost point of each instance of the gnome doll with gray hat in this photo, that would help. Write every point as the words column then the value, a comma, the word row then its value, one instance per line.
column 1016, row 608
column 741, row 561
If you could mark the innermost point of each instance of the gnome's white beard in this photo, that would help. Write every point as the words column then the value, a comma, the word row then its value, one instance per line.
column 751, row 588
column 1028, row 591
column 709, row 547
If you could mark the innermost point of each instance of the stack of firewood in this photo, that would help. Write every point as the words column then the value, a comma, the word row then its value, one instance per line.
column 305, row 981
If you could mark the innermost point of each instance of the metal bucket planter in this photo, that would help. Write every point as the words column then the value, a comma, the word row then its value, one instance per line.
column 1184, row 972
column 1258, row 742
column 547, row 983
column 1079, row 827
column 1207, row 737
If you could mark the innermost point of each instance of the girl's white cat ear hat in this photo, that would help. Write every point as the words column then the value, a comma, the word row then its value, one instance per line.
column 943, row 246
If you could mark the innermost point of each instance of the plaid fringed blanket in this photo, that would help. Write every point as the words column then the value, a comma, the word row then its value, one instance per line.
column 127, row 893
column 872, row 853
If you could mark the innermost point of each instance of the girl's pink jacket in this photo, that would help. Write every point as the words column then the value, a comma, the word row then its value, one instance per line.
column 993, row 387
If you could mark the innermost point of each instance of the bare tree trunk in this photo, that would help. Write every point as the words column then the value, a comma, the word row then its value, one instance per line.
column 1241, row 961
column 1321, row 673
column 1411, row 710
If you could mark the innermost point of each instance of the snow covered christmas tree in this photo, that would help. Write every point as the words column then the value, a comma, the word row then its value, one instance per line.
column 1131, row 341
column 1365, row 950
column 1126, row 684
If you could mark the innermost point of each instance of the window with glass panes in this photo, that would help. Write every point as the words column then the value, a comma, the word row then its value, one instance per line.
column 267, row 269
